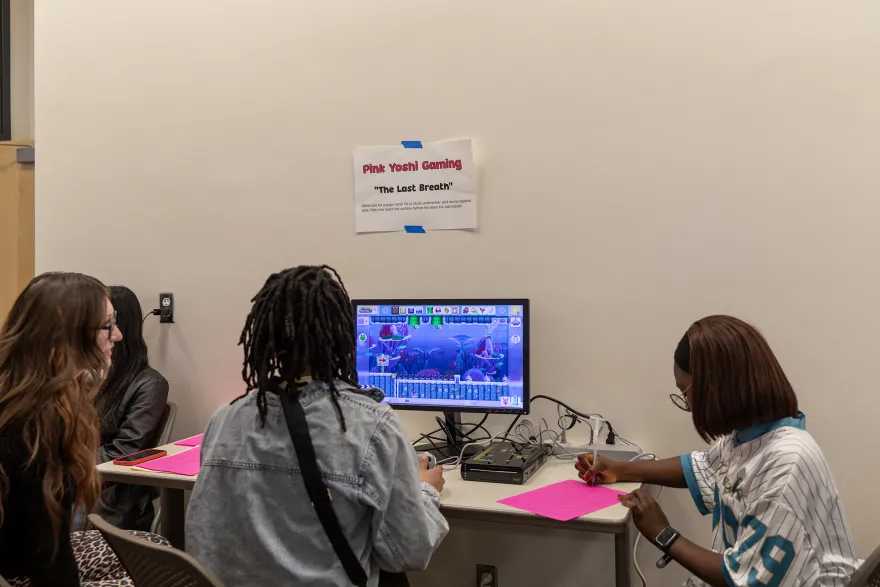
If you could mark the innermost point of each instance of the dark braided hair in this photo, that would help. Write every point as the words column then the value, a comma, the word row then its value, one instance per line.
column 301, row 323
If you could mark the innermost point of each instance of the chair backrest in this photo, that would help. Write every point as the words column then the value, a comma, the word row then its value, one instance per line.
column 152, row 565
column 868, row 574
column 166, row 424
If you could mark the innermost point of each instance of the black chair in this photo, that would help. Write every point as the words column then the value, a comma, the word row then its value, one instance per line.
column 166, row 424
column 165, row 428
column 152, row 565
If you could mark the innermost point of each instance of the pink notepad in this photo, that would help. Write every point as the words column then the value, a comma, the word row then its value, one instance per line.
column 191, row 441
column 564, row 501
column 183, row 463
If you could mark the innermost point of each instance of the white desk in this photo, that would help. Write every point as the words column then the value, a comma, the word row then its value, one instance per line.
column 460, row 499
column 171, row 488
column 478, row 501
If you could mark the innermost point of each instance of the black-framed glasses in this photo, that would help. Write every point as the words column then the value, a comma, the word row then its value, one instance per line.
column 680, row 400
column 109, row 327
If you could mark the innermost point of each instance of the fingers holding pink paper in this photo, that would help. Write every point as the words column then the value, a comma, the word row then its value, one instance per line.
column 565, row 500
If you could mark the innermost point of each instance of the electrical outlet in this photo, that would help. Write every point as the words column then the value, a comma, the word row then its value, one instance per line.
column 166, row 308
column 487, row 576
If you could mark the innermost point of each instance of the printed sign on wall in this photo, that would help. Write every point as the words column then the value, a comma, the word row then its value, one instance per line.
column 414, row 187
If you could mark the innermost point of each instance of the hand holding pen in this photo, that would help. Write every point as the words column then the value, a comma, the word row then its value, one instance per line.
column 595, row 469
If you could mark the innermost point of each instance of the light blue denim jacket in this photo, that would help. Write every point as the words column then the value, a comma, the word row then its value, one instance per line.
column 250, row 520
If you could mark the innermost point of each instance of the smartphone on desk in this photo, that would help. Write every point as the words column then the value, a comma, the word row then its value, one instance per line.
column 140, row 457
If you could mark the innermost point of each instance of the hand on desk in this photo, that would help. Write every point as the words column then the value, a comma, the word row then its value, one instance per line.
column 433, row 476
column 603, row 470
column 647, row 514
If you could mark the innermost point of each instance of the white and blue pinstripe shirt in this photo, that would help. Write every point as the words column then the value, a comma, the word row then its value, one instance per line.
column 776, row 514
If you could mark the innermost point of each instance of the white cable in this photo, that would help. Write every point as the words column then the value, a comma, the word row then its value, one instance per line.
column 644, row 456
column 525, row 434
column 636, row 562
column 463, row 449
column 641, row 457
column 559, row 423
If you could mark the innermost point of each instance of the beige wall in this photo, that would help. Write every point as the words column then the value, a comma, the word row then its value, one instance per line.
column 21, row 53
column 640, row 165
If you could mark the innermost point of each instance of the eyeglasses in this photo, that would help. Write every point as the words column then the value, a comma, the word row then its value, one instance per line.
column 680, row 400
column 109, row 327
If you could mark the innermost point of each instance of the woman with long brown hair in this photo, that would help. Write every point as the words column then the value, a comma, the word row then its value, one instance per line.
column 776, row 514
column 55, row 347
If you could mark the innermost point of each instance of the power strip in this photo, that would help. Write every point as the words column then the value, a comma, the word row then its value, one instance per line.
column 617, row 452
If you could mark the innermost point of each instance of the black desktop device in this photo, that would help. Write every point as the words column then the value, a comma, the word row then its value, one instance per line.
column 446, row 355
column 504, row 462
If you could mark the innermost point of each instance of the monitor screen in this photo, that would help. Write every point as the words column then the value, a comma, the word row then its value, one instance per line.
column 450, row 355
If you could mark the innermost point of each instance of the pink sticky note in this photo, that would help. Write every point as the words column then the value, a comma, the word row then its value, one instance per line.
column 564, row 501
column 183, row 463
column 191, row 441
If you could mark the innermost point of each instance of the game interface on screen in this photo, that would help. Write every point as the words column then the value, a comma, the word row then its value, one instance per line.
column 442, row 356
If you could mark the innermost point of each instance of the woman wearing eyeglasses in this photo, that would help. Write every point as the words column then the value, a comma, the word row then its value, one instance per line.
column 55, row 347
column 130, row 404
column 776, row 513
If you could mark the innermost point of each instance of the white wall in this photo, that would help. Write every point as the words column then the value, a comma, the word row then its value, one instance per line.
column 640, row 165
column 21, row 55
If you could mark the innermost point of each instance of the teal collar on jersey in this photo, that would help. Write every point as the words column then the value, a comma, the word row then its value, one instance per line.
column 754, row 432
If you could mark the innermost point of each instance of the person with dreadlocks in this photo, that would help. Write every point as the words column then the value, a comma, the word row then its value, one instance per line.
column 251, row 519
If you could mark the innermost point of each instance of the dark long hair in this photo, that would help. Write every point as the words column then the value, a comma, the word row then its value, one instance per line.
column 301, row 323
column 737, row 381
column 50, row 368
column 129, row 355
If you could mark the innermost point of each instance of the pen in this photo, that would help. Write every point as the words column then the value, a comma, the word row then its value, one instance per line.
column 592, row 481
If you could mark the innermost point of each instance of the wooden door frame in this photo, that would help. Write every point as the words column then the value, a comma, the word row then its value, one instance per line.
column 16, row 225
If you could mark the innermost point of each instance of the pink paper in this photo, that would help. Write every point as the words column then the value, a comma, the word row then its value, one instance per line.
column 191, row 441
column 564, row 501
column 183, row 463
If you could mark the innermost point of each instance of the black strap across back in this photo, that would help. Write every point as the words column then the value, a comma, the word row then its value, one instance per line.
column 319, row 494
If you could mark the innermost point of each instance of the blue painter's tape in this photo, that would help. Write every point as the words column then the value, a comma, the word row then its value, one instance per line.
column 414, row 229
column 411, row 144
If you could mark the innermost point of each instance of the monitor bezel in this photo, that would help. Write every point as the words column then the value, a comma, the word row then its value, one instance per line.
column 524, row 302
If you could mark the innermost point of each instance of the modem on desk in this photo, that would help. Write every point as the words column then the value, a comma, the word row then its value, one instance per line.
column 504, row 462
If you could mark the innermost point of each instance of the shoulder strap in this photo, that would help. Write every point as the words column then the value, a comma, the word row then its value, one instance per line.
column 319, row 495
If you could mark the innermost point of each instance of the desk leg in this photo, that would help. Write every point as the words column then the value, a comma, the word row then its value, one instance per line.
column 173, row 516
column 623, row 558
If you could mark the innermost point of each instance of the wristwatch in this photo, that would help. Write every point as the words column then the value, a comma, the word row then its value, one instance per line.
column 664, row 541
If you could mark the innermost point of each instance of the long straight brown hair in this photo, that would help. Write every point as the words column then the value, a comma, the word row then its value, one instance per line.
column 737, row 380
column 50, row 370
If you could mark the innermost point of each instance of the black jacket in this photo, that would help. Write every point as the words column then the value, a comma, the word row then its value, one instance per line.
column 137, row 428
column 27, row 542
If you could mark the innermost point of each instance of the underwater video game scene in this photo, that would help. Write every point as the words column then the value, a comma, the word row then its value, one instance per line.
column 443, row 356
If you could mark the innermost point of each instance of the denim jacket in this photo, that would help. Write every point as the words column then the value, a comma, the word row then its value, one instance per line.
column 250, row 520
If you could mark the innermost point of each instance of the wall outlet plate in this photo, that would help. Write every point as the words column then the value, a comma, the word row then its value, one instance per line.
column 487, row 576
column 166, row 308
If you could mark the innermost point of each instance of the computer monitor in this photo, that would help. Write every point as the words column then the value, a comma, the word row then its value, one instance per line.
column 449, row 355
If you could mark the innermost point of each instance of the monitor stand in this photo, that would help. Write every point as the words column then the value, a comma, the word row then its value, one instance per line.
column 454, row 441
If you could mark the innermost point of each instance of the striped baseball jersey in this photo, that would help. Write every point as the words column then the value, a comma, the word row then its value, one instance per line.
column 776, row 515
